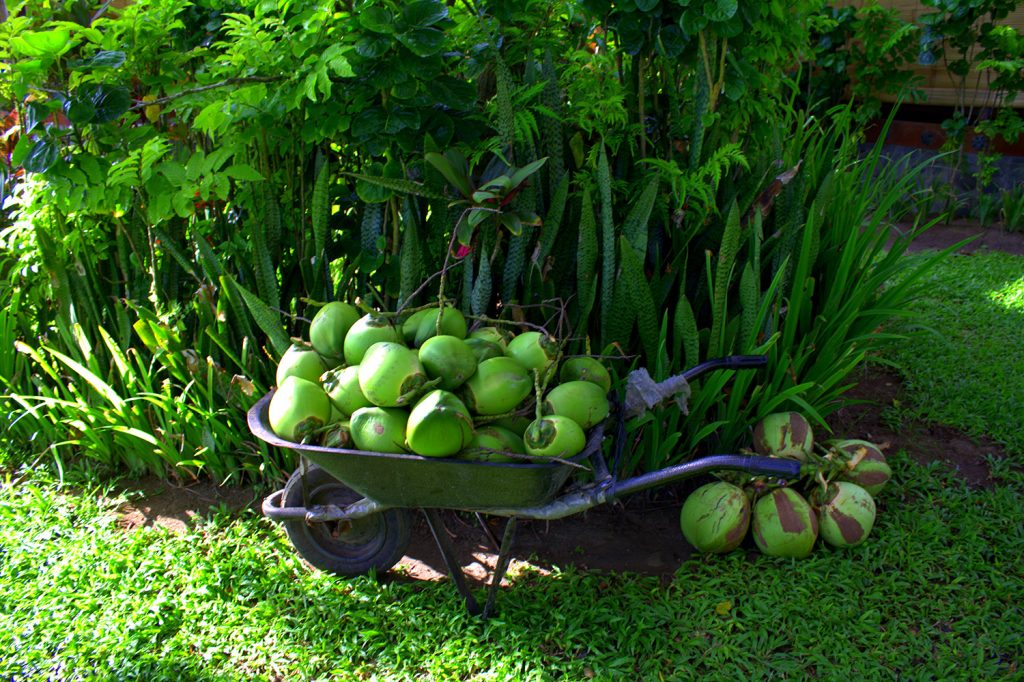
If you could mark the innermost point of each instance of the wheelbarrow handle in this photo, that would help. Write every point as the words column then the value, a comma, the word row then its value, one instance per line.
column 728, row 362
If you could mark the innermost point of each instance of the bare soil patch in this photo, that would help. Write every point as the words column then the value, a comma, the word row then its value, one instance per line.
column 992, row 238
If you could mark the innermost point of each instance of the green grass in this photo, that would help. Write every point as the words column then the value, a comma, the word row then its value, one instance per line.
column 934, row 594
column 967, row 369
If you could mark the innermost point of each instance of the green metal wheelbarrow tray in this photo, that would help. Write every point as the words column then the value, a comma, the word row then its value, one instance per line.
column 349, row 512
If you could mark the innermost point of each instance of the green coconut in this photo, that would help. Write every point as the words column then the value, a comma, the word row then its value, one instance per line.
column 391, row 375
column 338, row 436
column 300, row 361
column 328, row 329
column 533, row 350
column 368, row 330
column 554, row 436
column 491, row 443
column 412, row 325
column 379, row 429
column 298, row 409
column 495, row 335
column 583, row 402
column 715, row 517
column 483, row 349
column 846, row 514
column 439, row 425
column 784, row 524
column 449, row 359
column 342, row 386
column 497, row 387
column 865, row 465
column 585, row 369
column 784, row 434
column 453, row 323
column 517, row 424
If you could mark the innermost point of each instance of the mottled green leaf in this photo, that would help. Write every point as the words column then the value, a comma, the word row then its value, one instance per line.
column 41, row 156
column 377, row 19
column 424, row 13
column 109, row 59
column 423, row 42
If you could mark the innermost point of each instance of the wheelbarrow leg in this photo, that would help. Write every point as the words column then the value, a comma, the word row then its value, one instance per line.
column 450, row 561
column 504, row 558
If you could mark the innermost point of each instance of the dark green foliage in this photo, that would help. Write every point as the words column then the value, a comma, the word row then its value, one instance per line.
column 652, row 182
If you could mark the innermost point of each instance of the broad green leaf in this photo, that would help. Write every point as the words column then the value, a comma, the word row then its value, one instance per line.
column 183, row 204
column 671, row 41
column 80, row 110
column 158, row 204
column 42, row 155
column 483, row 196
column 42, row 44
column 423, row 42
column 242, row 171
column 211, row 118
column 335, row 59
column 109, row 101
column 423, row 13
column 476, row 216
column 526, row 171
column 109, row 59
column 693, row 21
column 722, row 10
column 21, row 150
column 173, row 171
column 401, row 119
column 35, row 114
column 454, row 168
column 377, row 19
column 502, row 183
column 512, row 223
column 373, row 46
column 369, row 123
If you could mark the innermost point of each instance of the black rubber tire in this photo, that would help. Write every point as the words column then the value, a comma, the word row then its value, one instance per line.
column 345, row 548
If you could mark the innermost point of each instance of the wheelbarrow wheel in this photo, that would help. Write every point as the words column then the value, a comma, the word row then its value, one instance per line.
column 345, row 548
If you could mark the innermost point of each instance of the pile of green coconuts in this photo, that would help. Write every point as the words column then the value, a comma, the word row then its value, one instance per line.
column 423, row 383
column 833, row 499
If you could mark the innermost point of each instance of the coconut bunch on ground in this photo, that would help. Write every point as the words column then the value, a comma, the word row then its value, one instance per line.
column 833, row 500
column 427, row 384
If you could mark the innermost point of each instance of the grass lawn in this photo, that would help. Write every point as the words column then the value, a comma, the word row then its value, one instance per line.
column 966, row 367
column 934, row 594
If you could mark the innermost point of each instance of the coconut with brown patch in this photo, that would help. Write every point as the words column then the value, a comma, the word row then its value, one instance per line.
column 379, row 429
column 846, row 514
column 865, row 465
column 784, row 524
column 784, row 434
column 715, row 517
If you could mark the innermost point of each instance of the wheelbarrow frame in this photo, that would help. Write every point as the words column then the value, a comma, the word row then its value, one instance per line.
column 515, row 490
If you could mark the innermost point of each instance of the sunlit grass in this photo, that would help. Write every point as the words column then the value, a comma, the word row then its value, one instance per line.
column 964, row 363
column 934, row 590
column 1010, row 296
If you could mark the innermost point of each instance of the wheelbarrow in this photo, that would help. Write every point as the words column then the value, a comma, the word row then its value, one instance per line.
column 349, row 512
